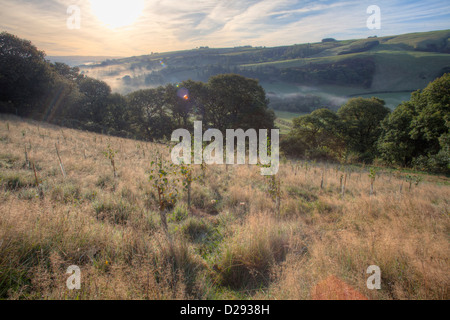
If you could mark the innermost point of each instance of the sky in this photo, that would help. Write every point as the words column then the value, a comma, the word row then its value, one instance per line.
column 137, row 27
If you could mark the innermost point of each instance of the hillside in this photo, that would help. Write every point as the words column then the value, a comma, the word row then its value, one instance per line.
column 315, row 74
column 234, row 243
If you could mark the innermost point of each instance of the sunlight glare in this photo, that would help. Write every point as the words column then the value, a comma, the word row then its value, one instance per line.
column 117, row 13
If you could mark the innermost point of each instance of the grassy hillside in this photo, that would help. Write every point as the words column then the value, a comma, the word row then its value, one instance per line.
column 284, row 120
column 401, row 64
column 233, row 244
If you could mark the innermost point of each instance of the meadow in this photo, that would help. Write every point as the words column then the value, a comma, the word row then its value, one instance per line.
column 71, row 197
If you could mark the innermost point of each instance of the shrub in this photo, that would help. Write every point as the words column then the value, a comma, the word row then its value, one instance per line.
column 105, row 182
column 8, row 160
column 302, row 194
column 180, row 213
column 248, row 258
column 66, row 193
column 16, row 180
column 196, row 230
column 115, row 212
column 28, row 194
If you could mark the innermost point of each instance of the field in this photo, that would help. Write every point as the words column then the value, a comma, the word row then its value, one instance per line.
column 403, row 64
column 284, row 120
column 314, row 239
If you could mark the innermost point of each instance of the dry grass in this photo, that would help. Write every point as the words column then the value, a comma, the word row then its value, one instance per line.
column 232, row 244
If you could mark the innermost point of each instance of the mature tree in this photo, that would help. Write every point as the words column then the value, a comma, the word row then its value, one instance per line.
column 417, row 132
column 433, row 113
column 237, row 102
column 149, row 114
column 24, row 74
column 361, row 125
column 95, row 93
column 396, row 146
column 197, row 98
column 178, row 101
column 116, row 116
column 316, row 135
column 66, row 71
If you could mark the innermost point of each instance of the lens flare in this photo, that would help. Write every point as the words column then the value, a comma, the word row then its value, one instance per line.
column 183, row 93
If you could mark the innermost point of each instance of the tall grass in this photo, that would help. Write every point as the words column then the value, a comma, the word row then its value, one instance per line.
column 232, row 243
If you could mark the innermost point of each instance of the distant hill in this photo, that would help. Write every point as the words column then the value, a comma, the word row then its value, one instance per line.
column 74, row 61
column 298, row 77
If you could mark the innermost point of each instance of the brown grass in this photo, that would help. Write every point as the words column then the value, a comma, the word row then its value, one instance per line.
column 231, row 245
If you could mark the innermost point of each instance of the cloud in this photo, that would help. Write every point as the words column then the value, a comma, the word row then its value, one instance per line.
column 167, row 25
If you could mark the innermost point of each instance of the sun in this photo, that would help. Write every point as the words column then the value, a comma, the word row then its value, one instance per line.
column 117, row 13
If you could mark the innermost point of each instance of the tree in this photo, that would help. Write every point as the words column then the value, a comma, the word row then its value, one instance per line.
column 417, row 132
column 395, row 145
column 433, row 113
column 149, row 114
column 96, row 94
column 116, row 116
column 179, row 101
column 197, row 98
column 71, row 74
column 361, row 125
column 237, row 102
column 316, row 135
column 24, row 74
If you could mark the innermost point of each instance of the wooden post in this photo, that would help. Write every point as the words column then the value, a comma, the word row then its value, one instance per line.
column 162, row 212
column 323, row 175
column 343, row 185
column 189, row 196
column 114, row 167
column 60, row 162
column 27, row 162
column 38, row 185
column 35, row 176
column 278, row 204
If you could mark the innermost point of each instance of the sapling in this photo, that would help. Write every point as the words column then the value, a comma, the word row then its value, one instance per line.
column 163, row 177
column 186, row 172
column 372, row 176
column 111, row 155
column 413, row 179
column 274, row 189
column 273, row 184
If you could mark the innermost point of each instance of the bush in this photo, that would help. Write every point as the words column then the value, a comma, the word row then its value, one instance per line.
column 16, row 180
column 114, row 212
column 196, row 230
column 8, row 160
column 66, row 193
column 180, row 213
column 247, row 259
column 28, row 194
column 106, row 182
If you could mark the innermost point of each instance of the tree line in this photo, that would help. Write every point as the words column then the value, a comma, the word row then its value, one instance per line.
column 57, row 93
column 416, row 134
